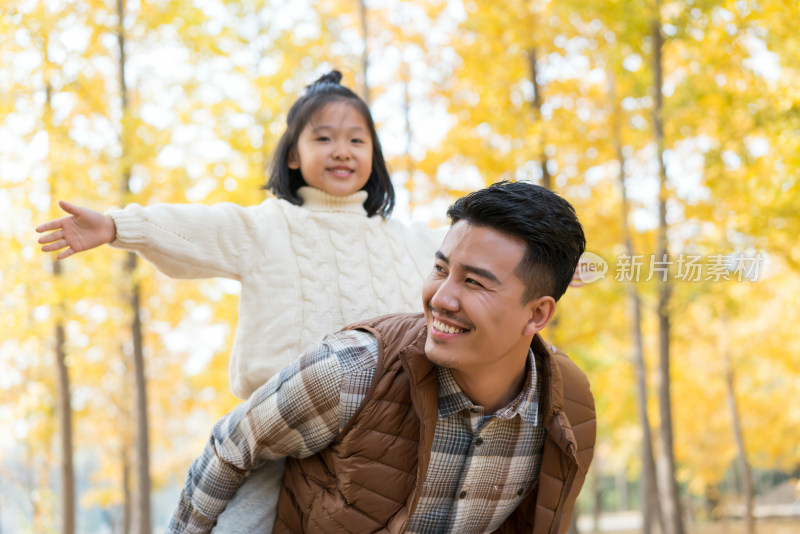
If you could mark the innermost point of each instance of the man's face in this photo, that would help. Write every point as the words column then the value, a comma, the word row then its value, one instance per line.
column 476, row 320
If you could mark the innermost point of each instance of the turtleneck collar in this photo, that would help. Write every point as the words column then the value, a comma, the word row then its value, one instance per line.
column 318, row 200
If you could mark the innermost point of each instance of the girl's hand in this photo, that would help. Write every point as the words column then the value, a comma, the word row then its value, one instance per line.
column 84, row 229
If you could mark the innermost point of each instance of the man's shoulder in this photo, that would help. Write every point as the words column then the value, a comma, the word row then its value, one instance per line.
column 390, row 320
column 358, row 346
column 355, row 350
column 396, row 331
column 575, row 380
column 570, row 388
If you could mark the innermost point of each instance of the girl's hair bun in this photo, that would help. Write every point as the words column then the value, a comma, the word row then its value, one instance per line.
column 333, row 77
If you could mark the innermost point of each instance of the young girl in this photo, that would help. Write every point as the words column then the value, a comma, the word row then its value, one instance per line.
column 319, row 256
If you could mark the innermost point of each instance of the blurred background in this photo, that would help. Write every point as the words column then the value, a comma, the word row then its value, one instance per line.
column 672, row 126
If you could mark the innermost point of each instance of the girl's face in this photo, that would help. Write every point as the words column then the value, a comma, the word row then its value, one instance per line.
column 334, row 150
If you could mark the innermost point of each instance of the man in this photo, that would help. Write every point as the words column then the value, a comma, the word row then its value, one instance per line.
column 460, row 419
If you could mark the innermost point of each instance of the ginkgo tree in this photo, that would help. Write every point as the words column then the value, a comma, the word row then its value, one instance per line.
column 562, row 93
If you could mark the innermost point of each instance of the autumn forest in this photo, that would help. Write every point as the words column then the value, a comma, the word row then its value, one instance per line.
column 673, row 127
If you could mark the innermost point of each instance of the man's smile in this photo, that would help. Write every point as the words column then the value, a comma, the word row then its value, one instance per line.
column 447, row 329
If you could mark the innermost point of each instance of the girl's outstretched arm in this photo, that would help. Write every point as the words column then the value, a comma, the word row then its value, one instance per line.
column 84, row 229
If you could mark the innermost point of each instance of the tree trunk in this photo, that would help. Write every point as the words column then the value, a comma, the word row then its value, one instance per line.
column 670, row 499
column 743, row 465
column 597, row 499
column 652, row 513
column 141, row 515
column 538, row 100
column 362, row 9
column 63, row 402
column 547, row 182
column 126, row 489
column 651, row 509
column 64, row 410
column 141, row 510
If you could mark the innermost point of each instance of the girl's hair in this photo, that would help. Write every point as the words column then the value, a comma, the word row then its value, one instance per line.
column 285, row 182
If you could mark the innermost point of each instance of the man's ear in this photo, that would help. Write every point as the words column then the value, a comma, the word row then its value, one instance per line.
column 541, row 311
column 294, row 160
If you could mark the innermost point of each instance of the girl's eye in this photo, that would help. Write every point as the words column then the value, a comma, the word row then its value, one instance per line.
column 323, row 138
column 359, row 141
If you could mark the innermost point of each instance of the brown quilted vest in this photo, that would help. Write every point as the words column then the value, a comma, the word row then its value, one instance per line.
column 369, row 479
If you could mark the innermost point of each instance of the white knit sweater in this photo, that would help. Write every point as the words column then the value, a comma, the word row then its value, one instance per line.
column 305, row 271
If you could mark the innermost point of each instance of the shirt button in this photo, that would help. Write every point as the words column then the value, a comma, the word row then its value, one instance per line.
column 520, row 492
column 474, row 410
column 462, row 494
column 479, row 442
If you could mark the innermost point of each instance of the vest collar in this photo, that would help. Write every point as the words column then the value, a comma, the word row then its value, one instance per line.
column 424, row 398
column 552, row 398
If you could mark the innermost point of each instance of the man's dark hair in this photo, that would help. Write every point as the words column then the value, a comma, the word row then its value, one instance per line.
column 543, row 220
column 285, row 182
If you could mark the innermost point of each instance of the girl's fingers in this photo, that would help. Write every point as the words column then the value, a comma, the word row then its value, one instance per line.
column 59, row 223
column 49, row 238
column 55, row 246
column 72, row 209
column 65, row 254
column 50, row 225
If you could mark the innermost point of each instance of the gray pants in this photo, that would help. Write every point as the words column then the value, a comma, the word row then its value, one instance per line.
column 254, row 507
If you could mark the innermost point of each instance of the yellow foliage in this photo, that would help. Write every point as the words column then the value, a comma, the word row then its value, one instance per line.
column 203, row 130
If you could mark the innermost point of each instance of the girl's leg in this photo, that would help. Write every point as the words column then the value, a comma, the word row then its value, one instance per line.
column 252, row 510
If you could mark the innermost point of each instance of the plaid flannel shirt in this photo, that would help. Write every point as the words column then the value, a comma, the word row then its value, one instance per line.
column 481, row 465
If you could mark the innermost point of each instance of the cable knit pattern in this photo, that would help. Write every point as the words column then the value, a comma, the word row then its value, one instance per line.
column 305, row 271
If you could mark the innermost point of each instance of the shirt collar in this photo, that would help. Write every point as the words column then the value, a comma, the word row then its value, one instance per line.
column 526, row 403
